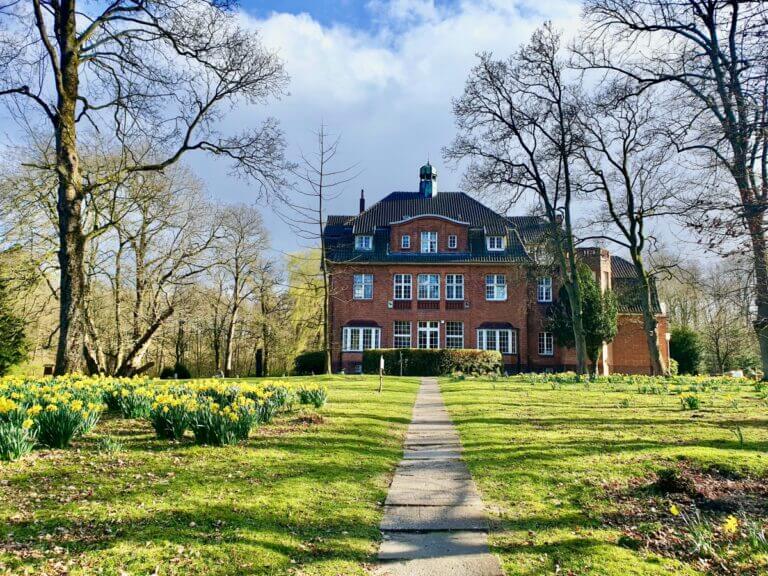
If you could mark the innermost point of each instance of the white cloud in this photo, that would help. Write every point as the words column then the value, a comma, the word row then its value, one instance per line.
column 387, row 91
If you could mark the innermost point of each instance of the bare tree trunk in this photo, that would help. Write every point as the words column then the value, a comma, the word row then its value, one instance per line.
column 69, row 353
column 757, row 236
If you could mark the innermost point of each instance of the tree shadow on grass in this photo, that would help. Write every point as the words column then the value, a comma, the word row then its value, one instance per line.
column 216, row 530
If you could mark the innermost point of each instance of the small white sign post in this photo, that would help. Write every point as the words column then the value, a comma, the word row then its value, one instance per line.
column 381, row 372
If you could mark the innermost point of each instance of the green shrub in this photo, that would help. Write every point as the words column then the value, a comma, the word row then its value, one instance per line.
column 315, row 395
column 432, row 362
column 307, row 363
column 685, row 347
column 177, row 371
column 16, row 440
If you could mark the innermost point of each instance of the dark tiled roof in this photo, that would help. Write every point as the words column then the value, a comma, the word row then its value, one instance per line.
column 340, row 231
column 341, row 249
column 532, row 229
column 626, row 286
column 622, row 268
column 455, row 205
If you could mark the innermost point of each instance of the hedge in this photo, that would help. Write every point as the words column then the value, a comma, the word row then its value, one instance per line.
column 308, row 363
column 432, row 362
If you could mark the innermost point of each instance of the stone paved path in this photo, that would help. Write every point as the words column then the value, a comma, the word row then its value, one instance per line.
column 434, row 522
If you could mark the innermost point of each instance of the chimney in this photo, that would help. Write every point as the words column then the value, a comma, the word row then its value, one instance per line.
column 362, row 201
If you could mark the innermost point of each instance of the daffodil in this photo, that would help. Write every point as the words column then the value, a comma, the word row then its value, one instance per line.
column 731, row 525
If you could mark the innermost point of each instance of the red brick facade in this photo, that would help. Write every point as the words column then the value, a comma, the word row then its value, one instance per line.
column 519, row 316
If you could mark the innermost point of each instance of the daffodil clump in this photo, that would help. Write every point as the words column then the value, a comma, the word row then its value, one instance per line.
column 17, row 436
column 314, row 394
column 53, row 411
column 690, row 401
column 48, row 412
column 171, row 414
column 133, row 398
column 219, row 425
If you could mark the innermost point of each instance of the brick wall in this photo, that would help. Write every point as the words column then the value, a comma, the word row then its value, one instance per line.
column 629, row 350
column 344, row 309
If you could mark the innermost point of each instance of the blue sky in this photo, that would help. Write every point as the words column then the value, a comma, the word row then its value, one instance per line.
column 381, row 74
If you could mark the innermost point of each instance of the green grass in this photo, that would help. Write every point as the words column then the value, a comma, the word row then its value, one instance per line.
column 542, row 456
column 302, row 496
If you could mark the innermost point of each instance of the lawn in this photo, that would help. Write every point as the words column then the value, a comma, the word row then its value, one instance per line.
column 569, row 474
column 302, row 496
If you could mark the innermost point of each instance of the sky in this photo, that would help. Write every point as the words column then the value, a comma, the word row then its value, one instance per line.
column 381, row 75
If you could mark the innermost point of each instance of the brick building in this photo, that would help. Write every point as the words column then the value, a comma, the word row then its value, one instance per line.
column 441, row 270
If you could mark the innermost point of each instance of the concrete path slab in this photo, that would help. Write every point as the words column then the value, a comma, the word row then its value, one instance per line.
column 434, row 520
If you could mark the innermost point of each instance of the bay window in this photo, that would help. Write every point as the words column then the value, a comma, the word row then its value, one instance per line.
column 355, row 339
column 502, row 340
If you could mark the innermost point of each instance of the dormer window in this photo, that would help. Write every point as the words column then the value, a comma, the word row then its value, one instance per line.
column 452, row 241
column 428, row 242
column 405, row 241
column 495, row 243
column 363, row 242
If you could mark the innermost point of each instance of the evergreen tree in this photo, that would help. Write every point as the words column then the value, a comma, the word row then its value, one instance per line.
column 599, row 312
column 686, row 348
column 13, row 344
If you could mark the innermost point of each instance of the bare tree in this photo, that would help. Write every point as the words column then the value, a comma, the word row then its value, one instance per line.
column 629, row 167
column 712, row 57
column 240, row 256
column 306, row 212
column 518, row 125
column 157, row 71
column 150, row 259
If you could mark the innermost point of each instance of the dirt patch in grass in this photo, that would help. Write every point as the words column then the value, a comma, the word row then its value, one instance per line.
column 714, row 519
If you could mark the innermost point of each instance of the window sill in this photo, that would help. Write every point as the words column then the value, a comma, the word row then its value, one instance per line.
column 401, row 304
column 428, row 304
column 455, row 304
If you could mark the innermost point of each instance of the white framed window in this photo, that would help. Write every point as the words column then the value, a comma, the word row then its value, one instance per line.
column 405, row 241
column 546, row 344
column 495, row 287
column 544, row 289
column 401, row 334
column 403, row 286
column 453, row 241
column 454, row 335
column 503, row 340
column 454, row 287
column 429, row 286
column 357, row 339
column 429, row 242
column 362, row 287
column 495, row 243
column 428, row 334
column 363, row 242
